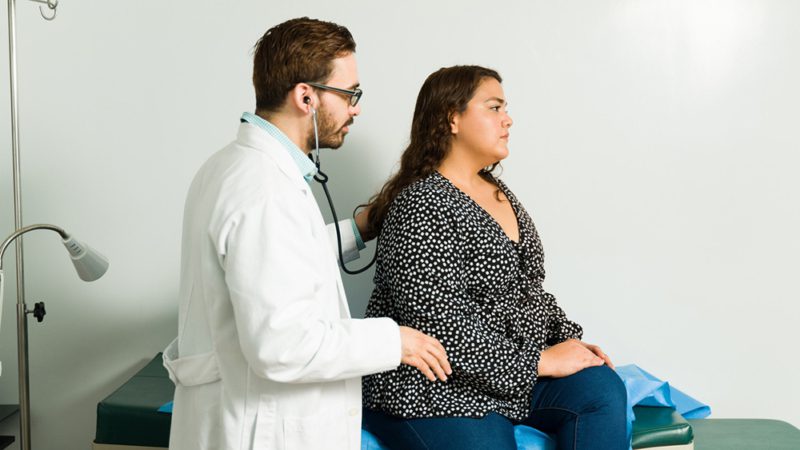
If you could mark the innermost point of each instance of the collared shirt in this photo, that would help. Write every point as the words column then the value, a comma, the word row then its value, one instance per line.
column 307, row 167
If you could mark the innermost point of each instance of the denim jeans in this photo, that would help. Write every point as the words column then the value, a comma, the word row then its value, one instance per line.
column 583, row 411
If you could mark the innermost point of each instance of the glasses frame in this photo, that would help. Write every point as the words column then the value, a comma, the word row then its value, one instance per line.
column 355, row 94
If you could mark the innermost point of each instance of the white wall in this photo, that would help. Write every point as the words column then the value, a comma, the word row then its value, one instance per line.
column 654, row 144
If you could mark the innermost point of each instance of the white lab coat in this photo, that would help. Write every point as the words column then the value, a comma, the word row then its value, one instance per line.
column 267, row 356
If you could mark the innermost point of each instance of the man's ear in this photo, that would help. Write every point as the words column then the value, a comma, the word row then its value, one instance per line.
column 302, row 98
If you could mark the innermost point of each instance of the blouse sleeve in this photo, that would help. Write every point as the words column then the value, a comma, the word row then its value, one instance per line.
column 559, row 328
column 422, row 271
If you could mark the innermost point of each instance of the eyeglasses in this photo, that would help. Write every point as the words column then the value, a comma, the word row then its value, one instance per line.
column 355, row 94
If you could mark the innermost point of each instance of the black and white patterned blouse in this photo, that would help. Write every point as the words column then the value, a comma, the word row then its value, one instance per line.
column 446, row 268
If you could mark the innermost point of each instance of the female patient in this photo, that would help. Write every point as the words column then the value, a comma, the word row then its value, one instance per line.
column 459, row 258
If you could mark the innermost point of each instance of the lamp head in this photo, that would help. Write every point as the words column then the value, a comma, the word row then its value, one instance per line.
column 89, row 264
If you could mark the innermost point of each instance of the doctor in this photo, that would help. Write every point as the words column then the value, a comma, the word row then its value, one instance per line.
column 267, row 356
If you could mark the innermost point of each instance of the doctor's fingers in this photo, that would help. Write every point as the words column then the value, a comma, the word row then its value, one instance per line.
column 430, row 359
column 435, row 364
column 434, row 354
column 415, row 342
column 419, row 363
column 428, row 365
column 437, row 351
column 421, row 349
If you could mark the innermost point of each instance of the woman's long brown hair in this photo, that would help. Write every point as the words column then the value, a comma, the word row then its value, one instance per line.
column 444, row 93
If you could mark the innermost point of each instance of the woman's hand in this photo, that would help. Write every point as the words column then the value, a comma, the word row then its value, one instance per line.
column 596, row 350
column 425, row 353
column 567, row 358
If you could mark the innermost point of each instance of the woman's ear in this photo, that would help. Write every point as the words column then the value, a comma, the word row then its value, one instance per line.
column 454, row 120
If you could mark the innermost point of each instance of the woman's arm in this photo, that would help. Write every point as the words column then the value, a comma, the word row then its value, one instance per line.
column 559, row 328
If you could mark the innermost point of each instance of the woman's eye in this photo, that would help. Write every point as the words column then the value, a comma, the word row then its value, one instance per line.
column 495, row 108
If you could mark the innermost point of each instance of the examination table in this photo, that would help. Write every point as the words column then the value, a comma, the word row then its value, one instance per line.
column 128, row 420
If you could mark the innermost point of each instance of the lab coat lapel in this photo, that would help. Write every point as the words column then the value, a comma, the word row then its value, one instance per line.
column 258, row 139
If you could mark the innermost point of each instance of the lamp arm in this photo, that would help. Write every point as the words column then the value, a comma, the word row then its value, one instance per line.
column 23, row 230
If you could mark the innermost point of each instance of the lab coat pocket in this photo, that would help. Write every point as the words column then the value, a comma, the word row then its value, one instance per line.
column 190, row 370
column 320, row 431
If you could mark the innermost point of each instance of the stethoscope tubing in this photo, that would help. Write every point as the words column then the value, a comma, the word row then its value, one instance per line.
column 322, row 179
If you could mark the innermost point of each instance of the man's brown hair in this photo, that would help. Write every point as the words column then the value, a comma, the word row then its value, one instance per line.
column 296, row 51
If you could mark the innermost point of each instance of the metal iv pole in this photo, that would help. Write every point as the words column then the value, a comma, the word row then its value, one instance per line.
column 22, row 323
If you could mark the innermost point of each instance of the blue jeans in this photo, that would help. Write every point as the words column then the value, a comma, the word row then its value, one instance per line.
column 585, row 410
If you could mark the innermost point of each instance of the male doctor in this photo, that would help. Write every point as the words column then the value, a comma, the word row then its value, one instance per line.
column 267, row 356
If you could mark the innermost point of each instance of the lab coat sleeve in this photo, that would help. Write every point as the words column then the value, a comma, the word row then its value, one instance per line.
column 350, row 250
column 279, row 308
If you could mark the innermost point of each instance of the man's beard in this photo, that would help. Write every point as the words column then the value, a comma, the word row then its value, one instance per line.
column 330, row 136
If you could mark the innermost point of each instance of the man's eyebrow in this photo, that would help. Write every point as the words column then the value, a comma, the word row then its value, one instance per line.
column 354, row 86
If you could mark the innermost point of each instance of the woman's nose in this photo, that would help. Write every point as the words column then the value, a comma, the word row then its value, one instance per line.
column 508, row 121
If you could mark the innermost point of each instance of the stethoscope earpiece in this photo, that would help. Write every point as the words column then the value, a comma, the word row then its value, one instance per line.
column 307, row 101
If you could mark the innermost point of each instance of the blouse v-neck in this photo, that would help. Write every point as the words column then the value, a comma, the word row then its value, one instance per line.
column 475, row 204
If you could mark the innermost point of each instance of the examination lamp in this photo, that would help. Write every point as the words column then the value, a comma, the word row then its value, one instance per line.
column 90, row 266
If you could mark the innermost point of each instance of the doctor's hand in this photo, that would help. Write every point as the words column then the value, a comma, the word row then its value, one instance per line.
column 567, row 358
column 362, row 224
column 425, row 353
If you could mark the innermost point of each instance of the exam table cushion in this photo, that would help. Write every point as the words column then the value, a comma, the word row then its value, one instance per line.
column 128, row 416
column 744, row 434
column 658, row 426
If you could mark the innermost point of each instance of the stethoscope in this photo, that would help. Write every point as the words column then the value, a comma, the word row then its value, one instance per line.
column 322, row 179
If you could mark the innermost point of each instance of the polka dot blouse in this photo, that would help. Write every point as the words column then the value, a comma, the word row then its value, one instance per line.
column 446, row 268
